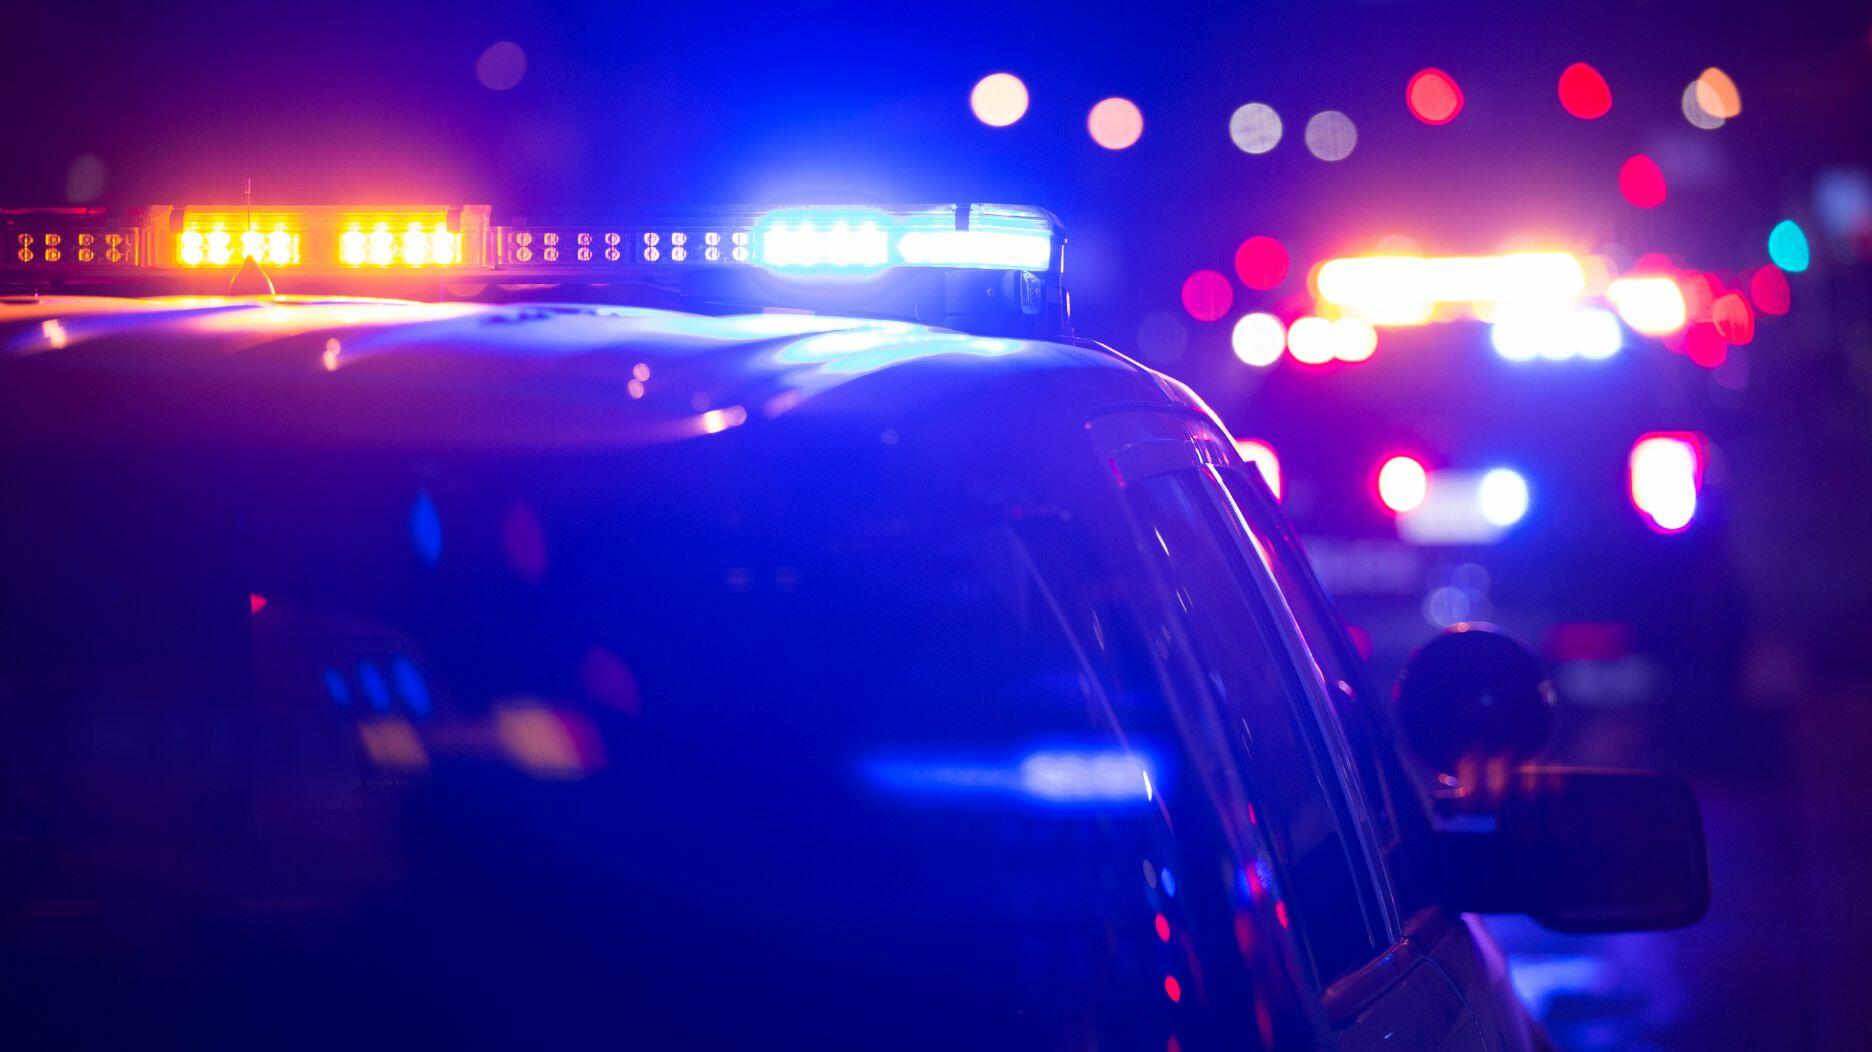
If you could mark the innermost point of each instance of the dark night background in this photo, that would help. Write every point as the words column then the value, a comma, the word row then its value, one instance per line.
column 1753, row 652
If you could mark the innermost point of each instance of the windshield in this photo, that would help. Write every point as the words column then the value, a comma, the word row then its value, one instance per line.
column 693, row 747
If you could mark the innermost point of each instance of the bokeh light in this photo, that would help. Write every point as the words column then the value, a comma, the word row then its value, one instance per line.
column 999, row 99
column 1584, row 93
column 1768, row 288
column 1433, row 97
column 1354, row 340
column 1665, row 471
column 1650, row 304
column 1787, row 246
column 1502, row 496
column 1261, row 262
column 1733, row 319
column 1255, row 128
column 1716, row 94
column 1693, row 110
column 1403, row 483
column 1705, row 346
column 501, row 67
column 1207, row 295
column 1115, row 123
column 85, row 179
column 1162, row 337
column 1331, row 136
column 1258, row 339
column 1311, row 341
column 1641, row 181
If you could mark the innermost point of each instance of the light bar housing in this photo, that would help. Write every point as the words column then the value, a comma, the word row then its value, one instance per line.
column 990, row 266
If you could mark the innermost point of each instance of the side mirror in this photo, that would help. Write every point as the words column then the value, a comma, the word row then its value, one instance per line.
column 1585, row 851
column 1474, row 701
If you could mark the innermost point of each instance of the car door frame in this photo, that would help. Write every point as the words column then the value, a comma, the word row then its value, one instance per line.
column 1144, row 441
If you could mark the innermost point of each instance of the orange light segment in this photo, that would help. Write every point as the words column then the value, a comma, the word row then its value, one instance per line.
column 383, row 242
column 224, row 239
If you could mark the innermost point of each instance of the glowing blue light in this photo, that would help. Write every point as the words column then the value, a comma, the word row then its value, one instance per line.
column 426, row 528
column 1085, row 776
column 374, row 686
column 823, row 239
column 1787, row 246
column 1167, row 881
column 336, row 686
column 409, row 683
column 1502, row 496
column 863, row 241
column 1056, row 777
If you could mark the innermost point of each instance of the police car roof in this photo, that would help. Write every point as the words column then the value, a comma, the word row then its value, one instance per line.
column 348, row 370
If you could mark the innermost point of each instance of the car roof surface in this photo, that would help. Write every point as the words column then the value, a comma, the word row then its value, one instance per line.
column 555, row 375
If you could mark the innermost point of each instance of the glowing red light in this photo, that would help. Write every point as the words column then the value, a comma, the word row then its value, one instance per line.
column 255, row 602
column 1280, row 914
column 1699, row 293
column 1733, row 319
column 1262, row 262
column 1642, row 181
column 1768, row 287
column 1163, row 928
column 1665, row 474
column 1403, row 483
column 1654, row 264
column 1207, row 295
column 1433, row 96
column 1584, row 93
column 1705, row 346
column 1173, row 988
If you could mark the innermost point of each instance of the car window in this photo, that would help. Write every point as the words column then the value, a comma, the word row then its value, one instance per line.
column 1299, row 803
column 1389, row 794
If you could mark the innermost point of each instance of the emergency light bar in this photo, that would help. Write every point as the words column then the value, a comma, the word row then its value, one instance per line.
column 994, row 269
column 465, row 240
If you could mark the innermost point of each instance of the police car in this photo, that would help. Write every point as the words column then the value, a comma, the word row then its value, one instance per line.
column 759, row 630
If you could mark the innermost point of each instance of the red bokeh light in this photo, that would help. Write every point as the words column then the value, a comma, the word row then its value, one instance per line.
column 1705, row 346
column 1699, row 293
column 1163, row 928
column 1654, row 263
column 1207, row 295
column 1733, row 319
column 1262, row 262
column 1768, row 287
column 1434, row 97
column 1584, row 93
column 1641, row 181
column 1173, row 988
column 256, row 602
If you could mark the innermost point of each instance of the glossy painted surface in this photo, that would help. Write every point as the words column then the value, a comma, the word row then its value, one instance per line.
column 534, row 675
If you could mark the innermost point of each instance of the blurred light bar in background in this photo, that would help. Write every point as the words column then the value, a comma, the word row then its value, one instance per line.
column 1653, row 306
column 1407, row 290
column 1263, row 457
column 1464, row 507
column 1666, row 476
column 1522, row 334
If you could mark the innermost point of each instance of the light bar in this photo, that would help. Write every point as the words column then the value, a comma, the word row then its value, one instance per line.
column 1407, row 290
column 1457, row 507
column 464, row 239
